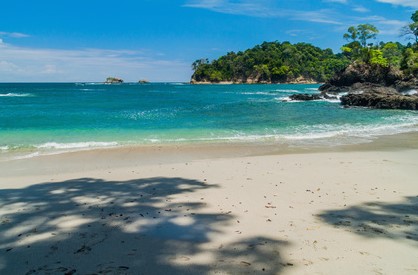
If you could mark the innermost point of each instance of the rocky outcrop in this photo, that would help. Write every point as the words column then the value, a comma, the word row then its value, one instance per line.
column 373, row 86
column 378, row 100
column 112, row 80
column 257, row 80
column 306, row 97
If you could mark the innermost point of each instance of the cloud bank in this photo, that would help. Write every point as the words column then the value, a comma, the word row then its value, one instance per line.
column 85, row 65
column 405, row 3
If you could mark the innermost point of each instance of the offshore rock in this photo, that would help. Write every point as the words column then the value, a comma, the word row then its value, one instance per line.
column 305, row 97
column 111, row 80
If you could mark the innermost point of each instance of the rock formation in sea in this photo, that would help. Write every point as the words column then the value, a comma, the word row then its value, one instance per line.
column 111, row 80
column 373, row 86
column 305, row 97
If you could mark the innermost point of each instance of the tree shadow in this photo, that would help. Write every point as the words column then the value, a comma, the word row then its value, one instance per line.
column 397, row 221
column 92, row 226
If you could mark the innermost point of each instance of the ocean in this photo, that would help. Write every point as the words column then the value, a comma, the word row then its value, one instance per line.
column 49, row 118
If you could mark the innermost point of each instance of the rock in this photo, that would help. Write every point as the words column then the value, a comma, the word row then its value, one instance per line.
column 381, row 100
column 143, row 81
column 407, row 84
column 111, row 80
column 305, row 97
column 373, row 86
column 365, row 73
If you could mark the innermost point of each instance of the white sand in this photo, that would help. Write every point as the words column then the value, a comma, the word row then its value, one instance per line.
column 166, row 211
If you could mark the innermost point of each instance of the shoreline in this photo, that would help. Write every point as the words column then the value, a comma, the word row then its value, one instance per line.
column 217, row 209
column 213, row 150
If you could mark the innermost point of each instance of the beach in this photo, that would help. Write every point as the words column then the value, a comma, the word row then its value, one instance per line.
column 213, row 209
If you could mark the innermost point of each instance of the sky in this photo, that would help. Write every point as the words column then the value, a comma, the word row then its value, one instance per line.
column 157, row 40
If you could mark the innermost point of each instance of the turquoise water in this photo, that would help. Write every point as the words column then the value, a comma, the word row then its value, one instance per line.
column 48, row 117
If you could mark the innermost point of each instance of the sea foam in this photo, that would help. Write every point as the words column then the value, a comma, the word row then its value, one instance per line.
column 76, row 145
column 410, row 92
column 15, row 95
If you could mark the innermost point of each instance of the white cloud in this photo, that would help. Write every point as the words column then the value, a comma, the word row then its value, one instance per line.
column 336, row 1
column 405, row 3
column 320, row 16
column 242, row 7
column 14, row 34
column 34, row 64
column 263, row 8
column 360, row 9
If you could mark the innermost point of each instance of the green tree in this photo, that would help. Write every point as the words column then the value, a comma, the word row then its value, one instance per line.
column 366, row 32
column 412, row 28
column 410, row 62
column 392, row 53
column 361, row 33
column 376, row 58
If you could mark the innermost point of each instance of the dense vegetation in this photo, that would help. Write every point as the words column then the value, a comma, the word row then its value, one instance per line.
column 271, row 62
column 390, row 54
column 275, row 62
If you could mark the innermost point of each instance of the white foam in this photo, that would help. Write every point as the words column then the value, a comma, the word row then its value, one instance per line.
column 286, row 91
column 31, row 155
column 287, row 99
column 15, row 95
column 76, row 145
column 410, row 92
column 4, row 148
column 257, row 93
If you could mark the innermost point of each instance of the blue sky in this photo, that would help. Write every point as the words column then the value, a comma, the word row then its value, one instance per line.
column 88, row 40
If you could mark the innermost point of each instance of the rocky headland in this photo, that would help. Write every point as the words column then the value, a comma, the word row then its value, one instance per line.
column 373, row 86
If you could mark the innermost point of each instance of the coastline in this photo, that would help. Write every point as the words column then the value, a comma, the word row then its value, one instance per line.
column 229, row 208
column 194, row 82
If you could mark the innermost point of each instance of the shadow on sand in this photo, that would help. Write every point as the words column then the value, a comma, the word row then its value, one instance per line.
column 379, row 220
column 91, row 226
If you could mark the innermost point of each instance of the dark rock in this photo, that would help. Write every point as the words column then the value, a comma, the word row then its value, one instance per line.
column 305, row 97
column 381, row 100
column 111, row 80
column 362, row 73
column 406, row 84
column 373, row 86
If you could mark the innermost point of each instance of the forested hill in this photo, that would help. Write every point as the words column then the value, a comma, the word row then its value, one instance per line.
column 271, row 62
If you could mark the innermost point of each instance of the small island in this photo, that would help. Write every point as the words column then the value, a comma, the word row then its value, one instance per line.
column 270, row 62
column 113, row 80
column 381, row 75
column 143, row 81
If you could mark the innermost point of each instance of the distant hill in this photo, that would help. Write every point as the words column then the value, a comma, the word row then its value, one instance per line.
column 271, row 62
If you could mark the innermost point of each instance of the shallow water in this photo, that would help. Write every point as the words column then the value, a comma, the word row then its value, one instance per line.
column 49, row 117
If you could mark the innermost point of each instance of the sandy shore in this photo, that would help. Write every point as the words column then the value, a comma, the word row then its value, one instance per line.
column 213, row 209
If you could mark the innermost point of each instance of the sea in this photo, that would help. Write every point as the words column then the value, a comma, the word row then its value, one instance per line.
column 49, row 118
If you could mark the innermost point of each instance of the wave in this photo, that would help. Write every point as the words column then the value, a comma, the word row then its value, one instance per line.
column 15, row 95
column 76, row 145
column 4, row 148
column 410, row 92
column 287, row 91
column 328, row 134
column 257, row 93
column 288, row 100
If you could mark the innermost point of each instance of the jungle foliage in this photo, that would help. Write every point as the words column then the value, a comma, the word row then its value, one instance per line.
column 276, row 62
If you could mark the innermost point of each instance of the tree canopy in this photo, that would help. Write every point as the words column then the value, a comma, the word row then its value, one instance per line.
column 281, row 62
column 273, row 62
